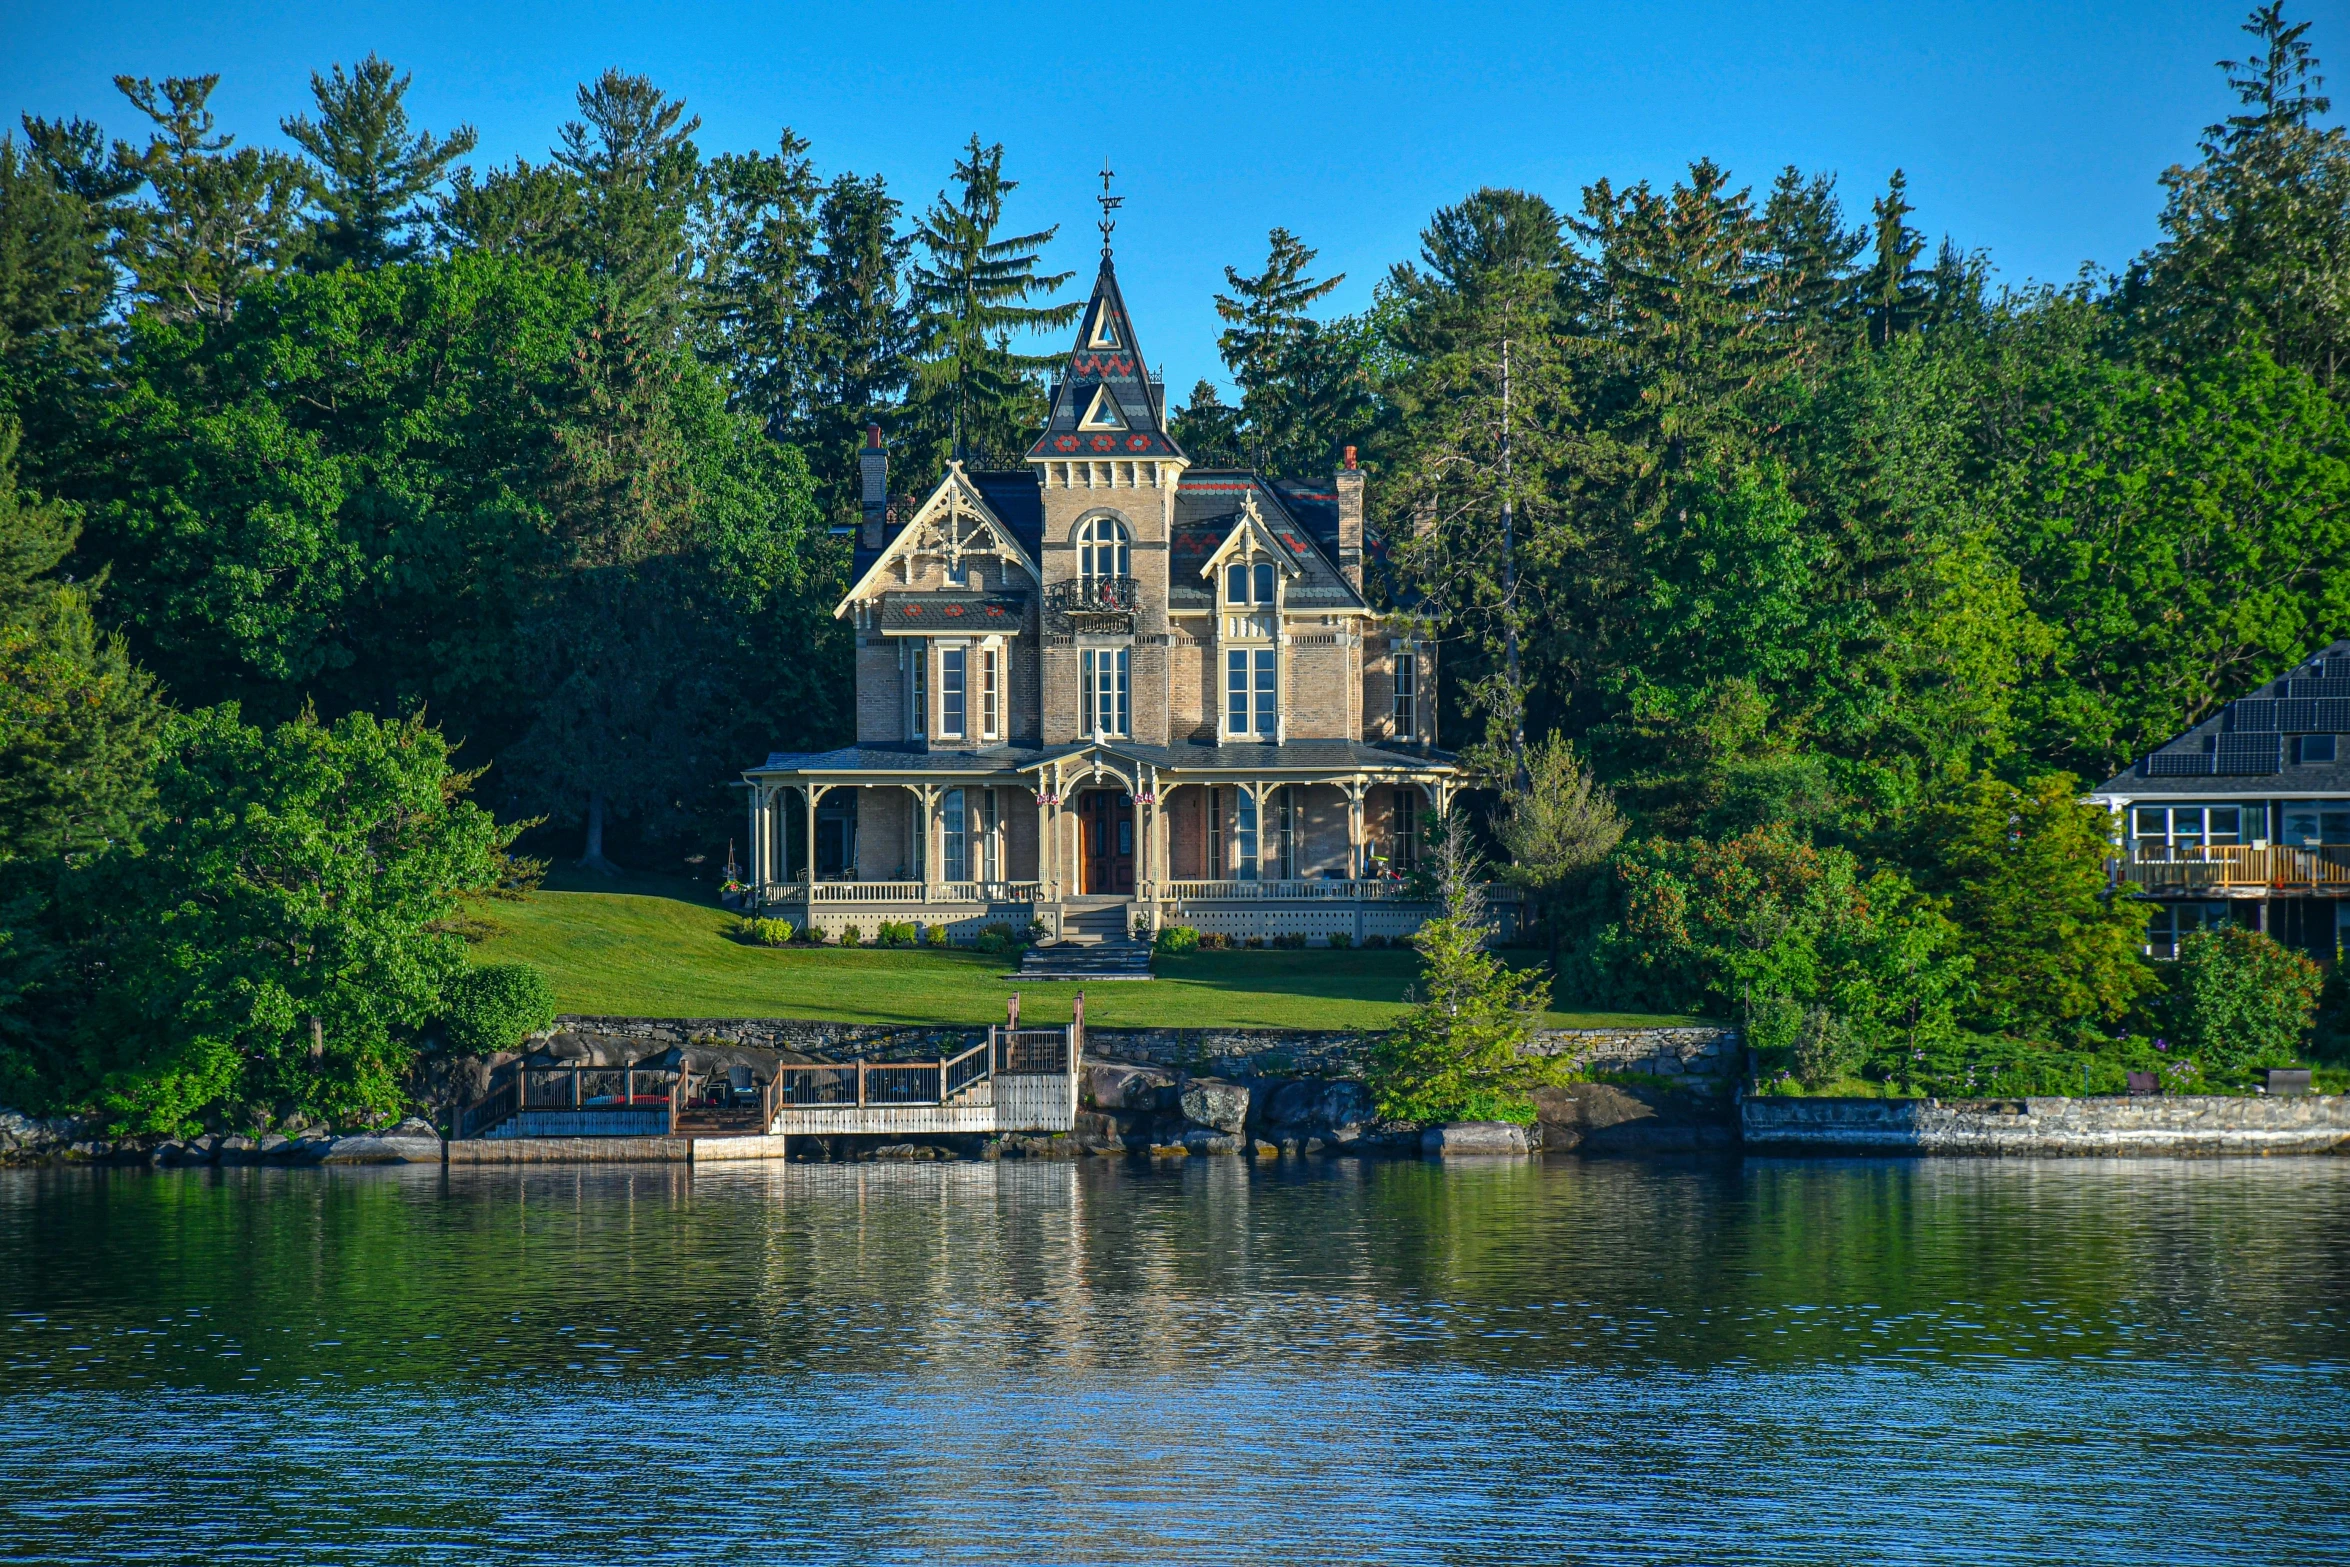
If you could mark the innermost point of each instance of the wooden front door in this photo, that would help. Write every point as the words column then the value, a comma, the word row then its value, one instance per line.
column 1105, row 824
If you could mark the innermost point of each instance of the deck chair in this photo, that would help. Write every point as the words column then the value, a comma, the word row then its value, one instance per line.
column 2144, row 1083
column 744, row 1089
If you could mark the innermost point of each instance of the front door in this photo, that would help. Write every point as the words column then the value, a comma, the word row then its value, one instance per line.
column 1105, row 822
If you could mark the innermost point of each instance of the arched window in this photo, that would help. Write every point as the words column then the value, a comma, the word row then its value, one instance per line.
column 1102, row 549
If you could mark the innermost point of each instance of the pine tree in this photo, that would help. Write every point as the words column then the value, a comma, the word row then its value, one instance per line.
column 1265, row 326
column 858, row 363
column 1207, row 428
column 973, row 396
column 1894, row 290
column 758, row 240
column 639, row 177
column 375, row 182
column 54, row 275
column 221, row 216
column 1810, row 254
column 2256, row 237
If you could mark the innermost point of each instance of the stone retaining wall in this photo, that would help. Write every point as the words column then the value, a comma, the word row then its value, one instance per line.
column 1219, row 1052
column 2188, row 1124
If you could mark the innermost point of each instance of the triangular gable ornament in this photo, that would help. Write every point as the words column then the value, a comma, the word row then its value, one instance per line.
column 1102, row 413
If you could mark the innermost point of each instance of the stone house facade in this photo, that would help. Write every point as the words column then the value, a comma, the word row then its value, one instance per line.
column 1111, row 677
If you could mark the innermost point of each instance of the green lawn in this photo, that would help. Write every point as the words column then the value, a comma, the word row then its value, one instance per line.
column 660, row 950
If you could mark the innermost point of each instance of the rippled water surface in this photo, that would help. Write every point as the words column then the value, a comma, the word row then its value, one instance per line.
column 1710, row 1361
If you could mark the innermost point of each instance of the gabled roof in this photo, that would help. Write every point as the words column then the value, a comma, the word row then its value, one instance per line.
column 2247, row 746
column 1106, row 379
column 956, row 494
column 1209, row 504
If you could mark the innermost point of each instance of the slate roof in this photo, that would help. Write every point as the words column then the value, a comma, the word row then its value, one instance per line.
column 2246, row 748
column 952, row 611
column 1208, row 507
column 1117, row 369
column 1297, row 755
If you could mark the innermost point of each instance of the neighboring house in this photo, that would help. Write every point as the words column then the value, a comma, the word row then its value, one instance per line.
column 2246, row 816
column 1112, row 678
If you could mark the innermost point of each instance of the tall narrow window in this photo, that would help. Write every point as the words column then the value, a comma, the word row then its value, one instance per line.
column 1264, row 582
column 1236, row 582
column 1285, row 814
column 990, row 695
column 1236, row 693
column 918, row 690
column 1103, row 550
column 1267, row 725
column 950, row 693
column 918, row 833
column 1404, row 849
column 1407, row 692
column 990, row 830
column 1214, row 867
column 955, row 845
column 1244, row 833
column 1108, row 694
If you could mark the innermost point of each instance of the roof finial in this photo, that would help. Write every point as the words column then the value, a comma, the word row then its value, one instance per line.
column 1110, row 204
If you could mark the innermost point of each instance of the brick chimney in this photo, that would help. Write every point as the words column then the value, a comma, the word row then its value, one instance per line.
column 873, row 468
column 1349, row 485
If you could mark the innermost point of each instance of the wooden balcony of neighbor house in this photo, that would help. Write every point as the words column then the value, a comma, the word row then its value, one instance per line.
column 2156, row 867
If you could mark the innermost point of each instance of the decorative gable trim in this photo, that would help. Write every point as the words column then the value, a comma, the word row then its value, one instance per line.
column 955, row 520
column 1251, row 528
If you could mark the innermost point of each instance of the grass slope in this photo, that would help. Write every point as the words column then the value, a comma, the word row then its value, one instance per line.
column 659, row 949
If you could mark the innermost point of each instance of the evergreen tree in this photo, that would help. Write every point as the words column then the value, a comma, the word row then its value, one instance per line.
column 639, row 177
column 1893, row 291
column 973, row 396
column 2256, row 237
column 1266, row 329
column 1811, row 254
column 375, row 181
column 78, row 720
column 54, row 274
column 858, row 366
column 221, row 216
column 1207, row 428
column 758, row 240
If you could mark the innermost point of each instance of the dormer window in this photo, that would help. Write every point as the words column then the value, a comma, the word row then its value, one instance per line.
column 1105, row 330
column 1102, row 413
column 1247, row 584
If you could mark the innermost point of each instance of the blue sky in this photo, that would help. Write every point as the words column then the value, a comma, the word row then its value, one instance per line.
column 2035, row 131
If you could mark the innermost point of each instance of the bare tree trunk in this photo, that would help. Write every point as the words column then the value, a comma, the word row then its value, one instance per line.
column 593, row 859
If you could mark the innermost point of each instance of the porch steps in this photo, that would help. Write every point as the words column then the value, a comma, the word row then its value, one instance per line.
column 1094, row 944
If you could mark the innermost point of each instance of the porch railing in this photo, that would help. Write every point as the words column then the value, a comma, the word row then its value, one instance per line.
column 864, row 892
column 1281, row 891
column 2164, row 867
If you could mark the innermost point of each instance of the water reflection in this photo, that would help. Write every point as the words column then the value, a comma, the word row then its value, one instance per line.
column 1749, row 1360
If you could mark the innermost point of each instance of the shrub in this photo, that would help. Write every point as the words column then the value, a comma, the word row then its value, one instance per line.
column 1178, row 938
column 1290, row 940
column 2242, row 1000
column 998, row 937
column 762, row 932
column 895, row 933
column 1374, row 943
column 1825, row 1049
column 1255, row 943
column 934, row 936
column 851, row 936
column 490, row 1008
column 812, row 934
column 1213, row 941
column 1342, row 939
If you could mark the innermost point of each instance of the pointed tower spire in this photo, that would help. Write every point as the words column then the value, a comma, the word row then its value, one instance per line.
column 1106, row 406
column 1110, row 204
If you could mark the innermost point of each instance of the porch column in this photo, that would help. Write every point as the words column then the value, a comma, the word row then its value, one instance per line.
column 755, row 846
column 1354, row 789
column 808, row 871
column 1044, row 842
column 930, row 841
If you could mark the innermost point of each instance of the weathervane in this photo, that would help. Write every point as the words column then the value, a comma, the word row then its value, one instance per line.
column 1110, row 204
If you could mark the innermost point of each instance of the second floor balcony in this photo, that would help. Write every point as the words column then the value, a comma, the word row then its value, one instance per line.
column 2182, row 867
column 1095, row 596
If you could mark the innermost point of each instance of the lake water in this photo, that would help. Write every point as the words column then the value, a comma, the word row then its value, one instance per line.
column 1715, row 1360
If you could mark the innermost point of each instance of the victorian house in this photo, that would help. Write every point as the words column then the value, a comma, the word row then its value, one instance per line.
column 1110, row 678
column 2245, row 818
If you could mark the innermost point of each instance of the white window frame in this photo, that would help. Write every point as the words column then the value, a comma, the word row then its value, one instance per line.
column 1407, row 692
column 1106, row 676
column 918, row 688
column 1244, row 834
column 954, row 696
column 954, row 833
column 990, row 694
column 1100, row 541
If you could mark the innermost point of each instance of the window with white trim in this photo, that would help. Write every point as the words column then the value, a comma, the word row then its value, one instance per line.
column 955, row 842
column 950, row 693
column 1244, row 833
column 1407, row 694
column 1403, row 829
column 1103, row 549
column 1251, row 693
column 1106, row 674
column 918, row 689
column 990, row 694
column 990, row 834
column 1249, row 583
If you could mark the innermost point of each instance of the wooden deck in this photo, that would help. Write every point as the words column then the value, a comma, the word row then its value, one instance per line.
column 2220, row 867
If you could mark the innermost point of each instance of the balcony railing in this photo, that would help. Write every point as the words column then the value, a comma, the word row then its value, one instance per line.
column 1096, row 595
column 2157, row 867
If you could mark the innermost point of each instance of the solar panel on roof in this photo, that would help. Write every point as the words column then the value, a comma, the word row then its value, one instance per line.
column 2321, row 688
column 2338, row 669
column 2245, row 755
column 2296, row 718
column 2252, row 717
column 2332, row 717
column 2178, row 764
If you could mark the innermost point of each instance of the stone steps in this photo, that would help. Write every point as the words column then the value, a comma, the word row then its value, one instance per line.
column 1100, row 960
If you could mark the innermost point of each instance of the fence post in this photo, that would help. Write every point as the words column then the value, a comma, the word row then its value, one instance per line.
column 860, row 1082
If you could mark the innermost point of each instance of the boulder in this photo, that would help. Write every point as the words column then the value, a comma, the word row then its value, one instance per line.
column 1336, row 1109
column 1213, row 1102
column 1457, row 1138
column 1098, row 1133
column 411, row 1142
column 22, row 1134
column 1611, row 1118
column 1206, row 1139
column 1114, row 1085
